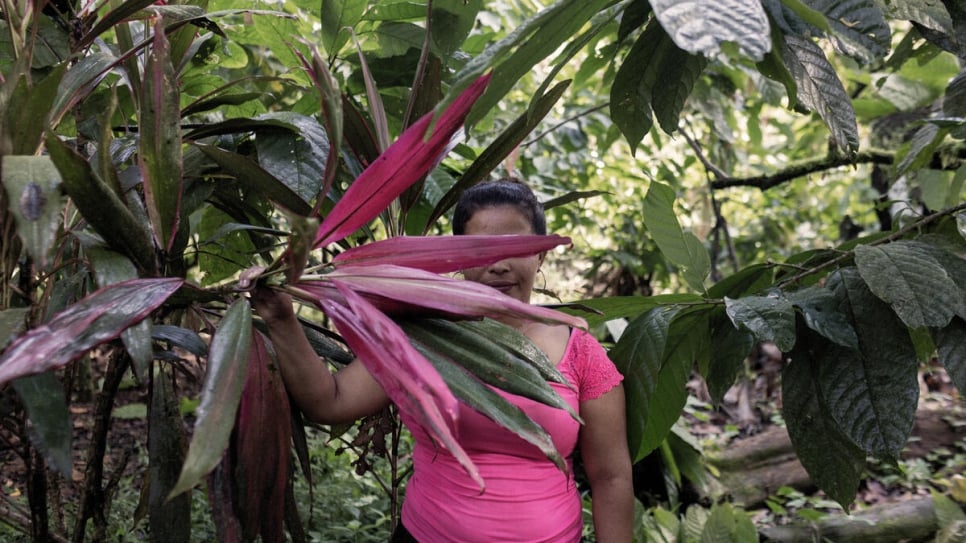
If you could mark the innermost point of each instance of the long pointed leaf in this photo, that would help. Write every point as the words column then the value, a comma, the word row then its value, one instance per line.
column 402, row 164
column 32, row 184
column 50, row 430
column 98, row 318
column 444, row 254
column 408, row 378
column 225, row 379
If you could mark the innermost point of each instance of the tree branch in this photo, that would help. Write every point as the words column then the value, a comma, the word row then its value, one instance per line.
column 801, row 169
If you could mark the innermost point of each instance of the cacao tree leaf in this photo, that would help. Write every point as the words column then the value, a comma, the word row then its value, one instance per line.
column 951, row 349
column 769, row 318
column 295, row 157
column 921, row 147
column 872, row 393
column 616, row 307
column 488, row 362
column 730, row 346
column 821, row 90
column 51, row 430
column 702, row 26
column 859, row 28
column 32, row 184
column 225, row 378
column 928, row 13
column 262, row 443
column 487, row 402
column 101, row 206
column 688, row 341
column 71, row 333
column 820, row 308
column 338, row 17
column 170, row 520
column 681, row 248
column 831, row 459
column 906, row 276
column 749, row 280
column 159, row 148
column 638, row 356
column 954, row 99
column 807, row 14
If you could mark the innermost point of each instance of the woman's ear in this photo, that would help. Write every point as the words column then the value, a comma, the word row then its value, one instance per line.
column 541, row 257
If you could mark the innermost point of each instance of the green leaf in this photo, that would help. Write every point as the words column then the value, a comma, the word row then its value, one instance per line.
column 951, row 350
column 808, row 14
column 101, row 206
column 748, row 280
column 831, row 459
column 727, row 523
column 169, row 519
column 159, row 145
column 12, row 323
column 452, row 22
column 730, row 347
column 225, row 250
column 616, row 307
column 919, row 151
column 225, row 379
column 906, row 276
column 28, row 111
column 929, row 13
column 821, row 90
column 632, row 91
column 296, row 157
column 32, row 184
column 859, row 28
column 702, row 26
column 822, row 314
column 954, row 99
column 873, row 392
column 50, row 429
column 338, row 18
column 769, row 318
column 681, row 248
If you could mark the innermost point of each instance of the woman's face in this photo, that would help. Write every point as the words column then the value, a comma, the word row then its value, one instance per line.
column 512, row 276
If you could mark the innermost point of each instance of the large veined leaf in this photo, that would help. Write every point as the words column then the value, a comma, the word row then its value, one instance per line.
column 831, row 459
column 444, row 254
column 101, row 206
column 730, row 346
column 298, row 157
column 823, row 314
column 50, row 429
column 489, row 362
column 32, row 184
column 406, row 161
column 728, row 523
column 263, row 440
column 406, row 376
column 872, row 393
column 821, row 90
column 906, row 276
column 918, row 152
column 638, row 356
column 71, row 333
column 170, row 520
column 680, row 247
column 928, row 13
column 483, row 399
column 159, row 149
column 954, row 100
column 410, row 291
column 702, row 26
column 617, row 307
column 859, row 28
column 951, row 348
column 224, row 381
column 769, row 318
column 338, row 17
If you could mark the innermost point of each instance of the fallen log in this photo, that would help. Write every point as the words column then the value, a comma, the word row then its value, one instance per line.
column 909, row 521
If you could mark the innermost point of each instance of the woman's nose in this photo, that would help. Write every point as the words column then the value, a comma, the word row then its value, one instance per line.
column 499, row 268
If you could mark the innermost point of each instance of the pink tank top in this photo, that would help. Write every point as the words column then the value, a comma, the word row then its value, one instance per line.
column 527, row 499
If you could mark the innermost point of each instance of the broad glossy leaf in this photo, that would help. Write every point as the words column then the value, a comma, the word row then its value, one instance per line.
column 873, row 392
column 71, row 333
column 159, row 144
column 821, row 90
column 616, row 307
column 338, row 16
column 406, row 376
column 483, row 399
column 749, row 280
column 224, row 380
column 954, row 100
column 263, row 442
column 730, row 347
column 769, row 318
column 702, row 26
column 918, row 152
column 101, row 206
column 111, row 267
column 444, row 254
column 406, row 161
column 859, row 28
column 50, row 429
column 486, row 360
column 680, row 247
column 823, row 314
column 632, row 91
column 638, row 356
column 183, row 338
column 169, row 520
column 411, row 289
column 807, row 14
column 951, row 347
column 688, row 342
column 906, row 276
column 297, row 157
column 32, row 184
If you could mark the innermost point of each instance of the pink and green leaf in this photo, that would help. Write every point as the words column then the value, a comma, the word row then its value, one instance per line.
column 96, row 319
column 444, row 254
column 408, row 378
column 405, row 162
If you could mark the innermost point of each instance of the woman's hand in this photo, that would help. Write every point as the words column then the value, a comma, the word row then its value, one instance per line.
column 271, row 304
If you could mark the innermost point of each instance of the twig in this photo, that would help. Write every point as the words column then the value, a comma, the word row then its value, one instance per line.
column 801, row 169
column 539, row 136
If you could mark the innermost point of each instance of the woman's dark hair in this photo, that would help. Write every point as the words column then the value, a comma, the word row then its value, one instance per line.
column 507, row 191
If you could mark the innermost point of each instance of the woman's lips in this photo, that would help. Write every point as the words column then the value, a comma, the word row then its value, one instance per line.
column 502, row 287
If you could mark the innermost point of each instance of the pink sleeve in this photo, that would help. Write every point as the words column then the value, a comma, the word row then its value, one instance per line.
column 595, row 372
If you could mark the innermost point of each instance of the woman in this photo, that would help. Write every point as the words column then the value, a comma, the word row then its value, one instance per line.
column 527, row 498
